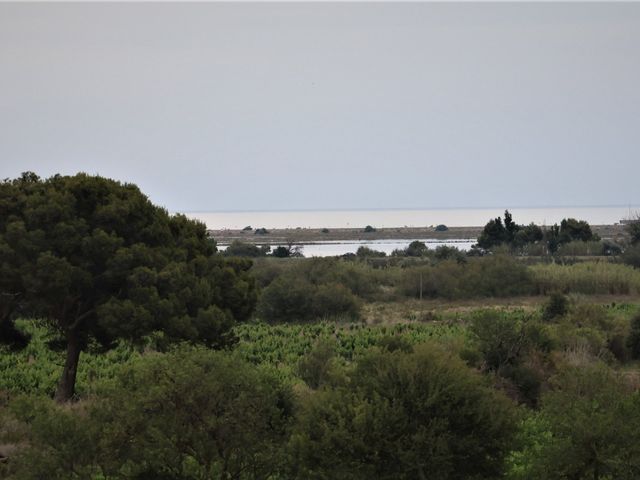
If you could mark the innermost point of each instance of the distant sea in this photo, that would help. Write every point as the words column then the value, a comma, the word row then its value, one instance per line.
column 454, row 217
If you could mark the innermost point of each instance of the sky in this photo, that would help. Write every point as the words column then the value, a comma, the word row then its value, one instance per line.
column 281, row 106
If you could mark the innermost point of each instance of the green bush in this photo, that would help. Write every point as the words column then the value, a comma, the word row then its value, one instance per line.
column 286, row 299
column 631, row 256
column 491, row 276
column 191, row 414
column 633, row 341
column 366, row 252
column 241, row 249
column 556, row 306
column 316, row 367
column 290, row 298
column 334, row 300
column 590, row 429
column 404, row 416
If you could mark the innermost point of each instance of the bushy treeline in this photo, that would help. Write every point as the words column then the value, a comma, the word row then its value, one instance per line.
column 410, row 403
column 496, row 233
column 309, row 289
column 199, row 414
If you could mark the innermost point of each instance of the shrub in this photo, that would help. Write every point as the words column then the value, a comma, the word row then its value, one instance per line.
column 316, row 367
column 494, row 276
column 261, row 231
column 633, row 341
column 241, row 249
column 324, row 230
column 441, row 228
column 416, row 249
column 592, row 428
column 631, row 256
column 556, row 306
column 366, row 252
column 404, row 416
column 290, row 298
column 369, row 229
column 633, row 229
column 194, row 413
column 334, row 300
column 286, row 299
column 445, row 252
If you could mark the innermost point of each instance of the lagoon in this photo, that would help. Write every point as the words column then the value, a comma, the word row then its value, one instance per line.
column 334, row 248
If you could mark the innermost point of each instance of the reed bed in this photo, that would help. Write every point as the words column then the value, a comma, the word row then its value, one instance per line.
column 588, row 278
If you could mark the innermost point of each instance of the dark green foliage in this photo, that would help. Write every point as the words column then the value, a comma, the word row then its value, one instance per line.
column 510, row 227
column 500, row 339
column 281, row 252
column 631, row 256
column 572, row 229
column 241, row 249
column 514, row 236
column 324, row 230
column 247, row 228
column 531, row 233
column 633, row 229
column 416, row 249
column 188, row 415
column 366, row 252
column 361, row 279
column 441, row 228
column 491, row 276
column 286, row 299
column 100, row 262
column 316, row 367
column 593, row 426
column 261, row 231
column 445, row 252
column 287, row 251
column 506, row 343
column 369, row 229
column 633, row 341
column 291, row 299
column 392, row 343
column 404, row 416
column 493, row 234
column 552, row 236
column 556, row 306
column 334, row 300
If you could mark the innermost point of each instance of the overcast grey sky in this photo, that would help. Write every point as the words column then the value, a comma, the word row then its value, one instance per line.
column 302, row 106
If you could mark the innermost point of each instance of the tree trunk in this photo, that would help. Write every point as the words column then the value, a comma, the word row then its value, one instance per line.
column 67, row 383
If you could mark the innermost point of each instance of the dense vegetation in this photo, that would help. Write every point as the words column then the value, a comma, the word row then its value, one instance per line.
column 197, row 365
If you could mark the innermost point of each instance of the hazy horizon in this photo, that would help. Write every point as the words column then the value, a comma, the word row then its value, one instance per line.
column 328, row 106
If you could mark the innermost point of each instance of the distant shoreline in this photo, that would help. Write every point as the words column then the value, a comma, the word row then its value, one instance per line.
column 315, row 235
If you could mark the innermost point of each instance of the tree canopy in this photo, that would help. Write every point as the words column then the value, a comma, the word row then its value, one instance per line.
column 98, row 261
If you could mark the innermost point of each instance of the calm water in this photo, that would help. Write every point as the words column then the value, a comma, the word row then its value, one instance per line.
column 463, row 217
column 333, row 248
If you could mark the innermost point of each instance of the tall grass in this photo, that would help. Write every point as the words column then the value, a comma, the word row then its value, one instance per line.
column 587, row 278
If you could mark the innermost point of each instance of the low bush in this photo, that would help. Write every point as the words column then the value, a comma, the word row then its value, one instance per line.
column 631, row 256
column 492, row 276
column 556, row 306
column 292, row 299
